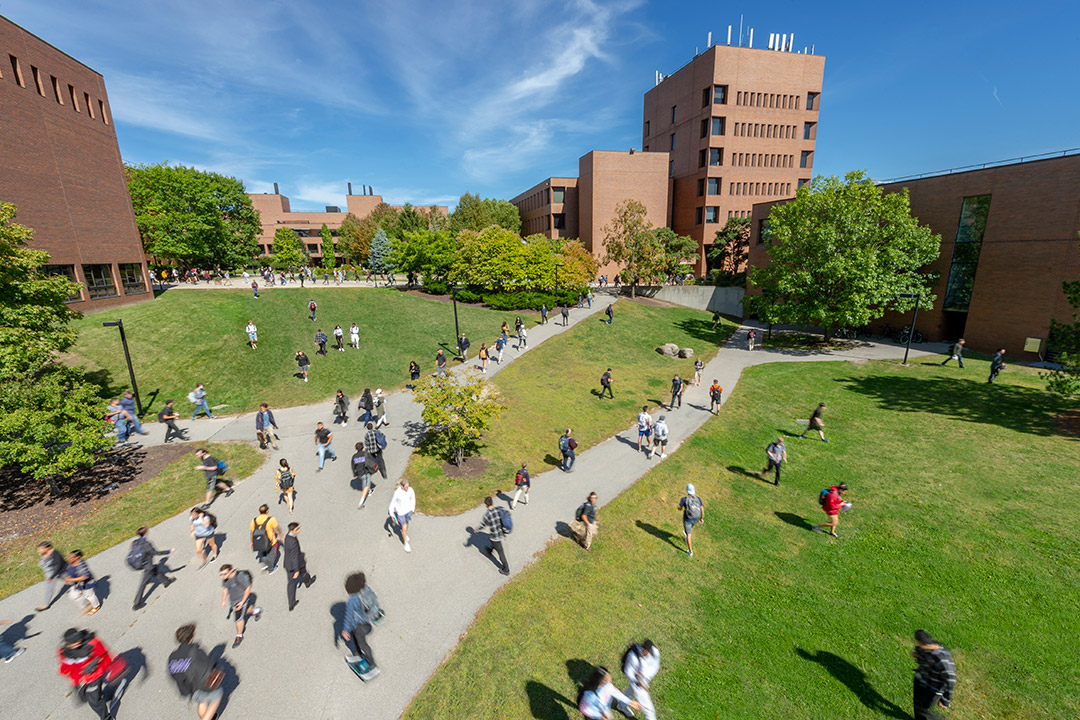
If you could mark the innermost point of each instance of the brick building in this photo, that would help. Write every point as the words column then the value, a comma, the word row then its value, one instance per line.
column 62, row 169
column 275, row 212
column 1008, row 241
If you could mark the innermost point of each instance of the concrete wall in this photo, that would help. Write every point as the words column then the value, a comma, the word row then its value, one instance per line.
column 728, row 300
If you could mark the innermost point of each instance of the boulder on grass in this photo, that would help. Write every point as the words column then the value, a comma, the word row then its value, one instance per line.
column 668, row 350
column 686, row 352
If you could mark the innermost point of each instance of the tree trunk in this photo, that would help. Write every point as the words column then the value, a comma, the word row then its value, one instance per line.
column 828, row 332
column 459, row 455
column 633, row 290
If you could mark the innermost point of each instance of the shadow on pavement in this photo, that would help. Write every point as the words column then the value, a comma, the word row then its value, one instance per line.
column 796, row 520
column 656, row 532
column 855, row 680
column 545, row 703
column 337, row 612
column 231, row 681
column 563, row 530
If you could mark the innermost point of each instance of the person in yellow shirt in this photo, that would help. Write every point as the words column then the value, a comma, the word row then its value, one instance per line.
column 286, row 479
column 264, row 540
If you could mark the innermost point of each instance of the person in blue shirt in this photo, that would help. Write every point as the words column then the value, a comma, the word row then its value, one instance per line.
column 361, row 613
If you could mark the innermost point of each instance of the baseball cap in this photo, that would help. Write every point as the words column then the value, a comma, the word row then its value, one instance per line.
column 690, row 488
column 662, row 417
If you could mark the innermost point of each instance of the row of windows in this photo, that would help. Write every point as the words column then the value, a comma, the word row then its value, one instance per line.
column 56, row 90
column 781, row 132
column 775, row 101
column 311, row 232
column 100, row 282
column 737, row 214
column 711, row 156
column 759, row 188
column 547, row 196
column 762, row 160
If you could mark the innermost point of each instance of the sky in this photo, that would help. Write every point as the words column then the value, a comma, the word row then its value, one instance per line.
column 425, row 101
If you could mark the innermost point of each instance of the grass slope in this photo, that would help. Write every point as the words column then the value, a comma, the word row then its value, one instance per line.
column 964, row 523
column 177, row 487
column 556, row 385
column 187, row 337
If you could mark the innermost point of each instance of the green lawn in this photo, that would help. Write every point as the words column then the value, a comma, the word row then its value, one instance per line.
column 556, row 385
column 114, row 519
column 186, row 337
column 964, row 523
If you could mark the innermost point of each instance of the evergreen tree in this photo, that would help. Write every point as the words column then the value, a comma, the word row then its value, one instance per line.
column 329, row 259
column 381, row 253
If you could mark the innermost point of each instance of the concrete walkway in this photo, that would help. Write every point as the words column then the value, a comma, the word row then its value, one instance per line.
column 290, row 664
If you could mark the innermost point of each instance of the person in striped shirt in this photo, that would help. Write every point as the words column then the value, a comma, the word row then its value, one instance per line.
column 935, row 676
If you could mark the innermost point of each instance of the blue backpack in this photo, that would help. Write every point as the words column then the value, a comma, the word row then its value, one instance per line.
column 822, row 495
column 506, row 520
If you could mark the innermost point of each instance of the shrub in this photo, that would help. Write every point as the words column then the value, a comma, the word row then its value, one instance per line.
column 436, row 287
column 469, row 296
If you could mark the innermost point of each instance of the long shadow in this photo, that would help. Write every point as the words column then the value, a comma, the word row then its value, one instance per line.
column 482, row 542
column 337, row 613
column 563, row 530
column 136, row 664
column 1028, row 410
column 547, row 704
column 856, row 682
column 231, row 680
column 102, row 587
column 796, row 520
column 550, row 459
column 17, row 631
column 699, row 329
column 656, row 532
column 631, row 443
column 740, row 470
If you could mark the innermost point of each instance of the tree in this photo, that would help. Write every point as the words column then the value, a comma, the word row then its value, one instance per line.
column 579, row 266
column 427, row 253
column 1065, row 380
column 476, row 214
column 50, row 418
column 841, row 253
column 380, row 256
column 457, row 408
column 288, row 251
column 676, row 251
column 353, row 242
column 630, row 243
column 194, row 217
column 731, row 246
column 493, row 259
column 329, row 259
column 409, row 220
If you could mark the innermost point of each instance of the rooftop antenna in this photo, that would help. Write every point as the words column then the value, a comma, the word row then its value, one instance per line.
column 740, row 30
column 709, row 42
column 772, row 40
column 791, row 42
column 751, row 43
column 350, row 188
column 728, row 34
column 276, row 189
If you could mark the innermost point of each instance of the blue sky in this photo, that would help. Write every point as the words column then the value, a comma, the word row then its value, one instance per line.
column 427, row 100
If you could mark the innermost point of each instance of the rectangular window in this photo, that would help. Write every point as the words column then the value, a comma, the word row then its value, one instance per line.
column 647, row 124
column 89, row 105
column 101, row 107
column 706, row 96
column 702, row 158
column 714, row 186
column 804, row 181
column 796, row 102
column 806, row 159
column 808, row 131
column 763, row 231
column 674, row 113
column 712, row 214
column 812, row 101
column 699, row 214
column 646, row 148
column 37, row 80
column 716, row 156
column 719, row 94
column 312, row 248
column 16, row 71
column 965, row 259
column 131, row 277
column 671, row 168
column 67, row 271
column 74, row 98
column 672, row 141
column 718, row 126
column 56, row 90
column 99, row 281
column 558, row 194
column 705, row 127
column 701, row 187
column 558, row 221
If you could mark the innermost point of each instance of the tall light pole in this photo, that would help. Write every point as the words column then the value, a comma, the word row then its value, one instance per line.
column 915, row 315
column 457, row 329
column 127, row 356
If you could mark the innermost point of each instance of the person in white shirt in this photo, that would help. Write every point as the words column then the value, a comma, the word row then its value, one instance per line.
column 402, row 506
column 660, row 432
column 644, row 427
column 641, row 663
column 253, row 334
column 354, row 336
column 598, row 694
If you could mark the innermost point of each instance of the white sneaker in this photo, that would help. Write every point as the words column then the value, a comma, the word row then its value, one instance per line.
column 408, row 548
column 14, row 655
column 663, row 456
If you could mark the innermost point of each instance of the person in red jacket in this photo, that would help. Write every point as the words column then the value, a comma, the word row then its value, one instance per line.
column 88, row 665
column 831, row 504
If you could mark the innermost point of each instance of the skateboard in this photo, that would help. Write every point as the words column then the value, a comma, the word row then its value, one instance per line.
column 362, row 668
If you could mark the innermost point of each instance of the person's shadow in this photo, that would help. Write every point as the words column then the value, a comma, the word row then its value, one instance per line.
column 482, row 542
column 855, row 680
column 656, row 532
column 101, row 588
column 231, row 680
column 16, row 631
column 796, row 520
column 740, row 470
column 337, row 612
column 545, row 703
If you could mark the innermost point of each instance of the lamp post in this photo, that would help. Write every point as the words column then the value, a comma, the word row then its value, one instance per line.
column 914, row 317
column 127, row 356
column 457, row 329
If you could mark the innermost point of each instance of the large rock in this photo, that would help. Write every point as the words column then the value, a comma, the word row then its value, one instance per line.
column 669, row 350
column 686, row 352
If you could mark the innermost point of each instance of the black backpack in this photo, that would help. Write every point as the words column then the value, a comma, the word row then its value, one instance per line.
column 138, row 555
column 286, row 480
column 260, row 539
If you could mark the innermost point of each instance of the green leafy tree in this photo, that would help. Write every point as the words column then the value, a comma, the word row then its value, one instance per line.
column 494, row 259
column 289, row 252
column 381, row 254
column 841, row 253
column 676, row 251
column 631, row 243
column 1066, row 339
column 353, row 243
column 329, row 259
column 476, row 214
column 50, row 415
column 731, row 246
column 409, row 220
column 458, row 409
column 579, row 266
column 427, row 253
column 197, row 218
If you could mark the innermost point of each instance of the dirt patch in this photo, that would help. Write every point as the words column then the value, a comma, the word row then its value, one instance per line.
column 27, row 508
column 1068, row 423
column 469, row 469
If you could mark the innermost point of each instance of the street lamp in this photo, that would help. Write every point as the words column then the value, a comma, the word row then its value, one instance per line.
column 457, row 329
column 127, row 356
column 915, row 315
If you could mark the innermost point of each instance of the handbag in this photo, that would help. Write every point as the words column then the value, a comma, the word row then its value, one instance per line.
column 213, row 680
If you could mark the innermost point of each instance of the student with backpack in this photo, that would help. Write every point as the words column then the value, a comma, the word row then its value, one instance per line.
column 236, row 589
column 751, row 336
column 52, row 566
column 264, row 540
column 362, row 613
column 610, row 314
column 640, row 664
column 363, row 466
column 320, row 341
column 81, row 584
column 693, row 511
column 295, row 564
column 832, row 502
column 312, row 307
column 500, row 345
column 143, row 557
column 494, row 522
column 660, row 437
column 366, row 405
column 90, row 667
column 699, row 365
column 380, row 409
column 197, row 397
column 213, row 468
column 303, row 362
column 341, row 409
column 716, row 394
column 266, row 427
column 196, row 675
column 285, row 480
column 605, row 385
column 567, row 446
column 585, row 526
column 203, row 529
column 522, row 483
column 776, row 455
column 374, row 444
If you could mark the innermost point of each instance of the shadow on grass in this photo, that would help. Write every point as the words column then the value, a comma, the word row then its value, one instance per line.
column 578, row 671
column 1016, row 407
column 547, row 704
column 701, row 329
column 550, row 459
column 740, row 470
column 658, row 533
column 855, row 680
column 796, row 520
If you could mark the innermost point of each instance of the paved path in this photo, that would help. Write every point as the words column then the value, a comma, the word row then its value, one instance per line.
column 291, row 663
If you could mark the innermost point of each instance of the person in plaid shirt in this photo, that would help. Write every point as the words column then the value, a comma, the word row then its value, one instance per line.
column 935, row 676
column 493, row 522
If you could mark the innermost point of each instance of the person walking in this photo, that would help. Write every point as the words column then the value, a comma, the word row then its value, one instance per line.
column 440, row 362
column 956, row 352
column 285, row 482
column 255, row 289
column 401, row 509
column 751, row 337
column 53, row 567
column 354, row 336
column 198, row 398
column 505, row 330
column 197, row 676
column 699, row 365
column 522, row 483
column 203, row 528
column 463, row 347
column 605, row 385
column 518, row 324
column 116, row 415
column 776, row 455
column 660, row 438
column 580, row 299
column 341, row 409
column 644, row 428
column 493, row 522
column 303, row 362
column 362, row 612
column 716, row 394
column 565, row 315
column 266, row 427
column 296, row 565
column 567, row 446
column 414, row 374
column 321, row 340
column 81, row 583
column 588, row 298
column 500, row 345
column 483, row 355
column 143, row 557
column 263, row 539
column 831, row 501
column 523, row 338
column 87, row 664
column 543, row 314
column 598, row 694
column 339, row 338
column 715, row 319
column 167, row 416
column 324, row 444
column 212, row 468
column 935, row 676
column 610, row 314
column 693, row 511
column 641, row 663
column 585, row 526
column 374, row 442
column 363, row 465
column 676, row 391
column 997, row 364
column 236, row 589
column 816, row 423
column 312, row 307
column 127, row 401
column 366, row 405
column 253, row 334
column 380, row 409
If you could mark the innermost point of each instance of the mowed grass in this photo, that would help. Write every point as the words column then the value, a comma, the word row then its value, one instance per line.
column 964, row 524
column 556, row 385
column 114, row 519
column 186, row 337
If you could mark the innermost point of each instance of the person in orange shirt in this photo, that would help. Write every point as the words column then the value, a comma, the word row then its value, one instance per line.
column 715, row 394
column 264, row 539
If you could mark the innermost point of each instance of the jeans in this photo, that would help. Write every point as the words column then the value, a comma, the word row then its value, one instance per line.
column 925, row 698
column 674, row 397
column 993, row 374
column 358, row 639
column 497, row 547
column 135, row 424
column 201, row 406
column 152, row 572
column 773, row 464
column 323, row 450
column 607, row 389
column 568, row 459
column 123, row 429
column 959, row 360
column 439, row 370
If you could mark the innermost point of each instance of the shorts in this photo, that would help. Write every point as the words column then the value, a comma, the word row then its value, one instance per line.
column 240, row 613
column 253, row 337
column 303, row 368
column 365, row 481
column 200, row 697
column 404, row 519
column 643, row 433
column 688, row 525
column 211, row 481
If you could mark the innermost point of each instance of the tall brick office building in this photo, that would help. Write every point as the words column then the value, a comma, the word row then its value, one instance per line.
column 60, row 165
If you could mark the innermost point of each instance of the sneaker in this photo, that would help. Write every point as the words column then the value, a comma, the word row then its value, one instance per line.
column 257, row 614
column 690, row 553
column 824, row 440
column 213, row 559
column 663, row 456
column 371, row 674
column 272, row 570
column 239, row 639
column 140, row 606
column 353, row 659
column 14, row 655
column 834, row 535
column 93, row 611
column 408, row 548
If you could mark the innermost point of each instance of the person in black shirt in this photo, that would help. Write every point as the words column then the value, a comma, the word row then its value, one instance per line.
column 303, row 362
column 341, row 409
column 816, row 423
column 676, row 392
column 935, row 676
column 363, row 466
column 605, row 385
column 610, row 314
column 440, row 363
column 324, row 444
column 295, row 565
column 194, row 672
column 463, row 347
column 584, row 525
column 997, row 364
column 565, row 315
column 168, row 416
column 152, row 570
